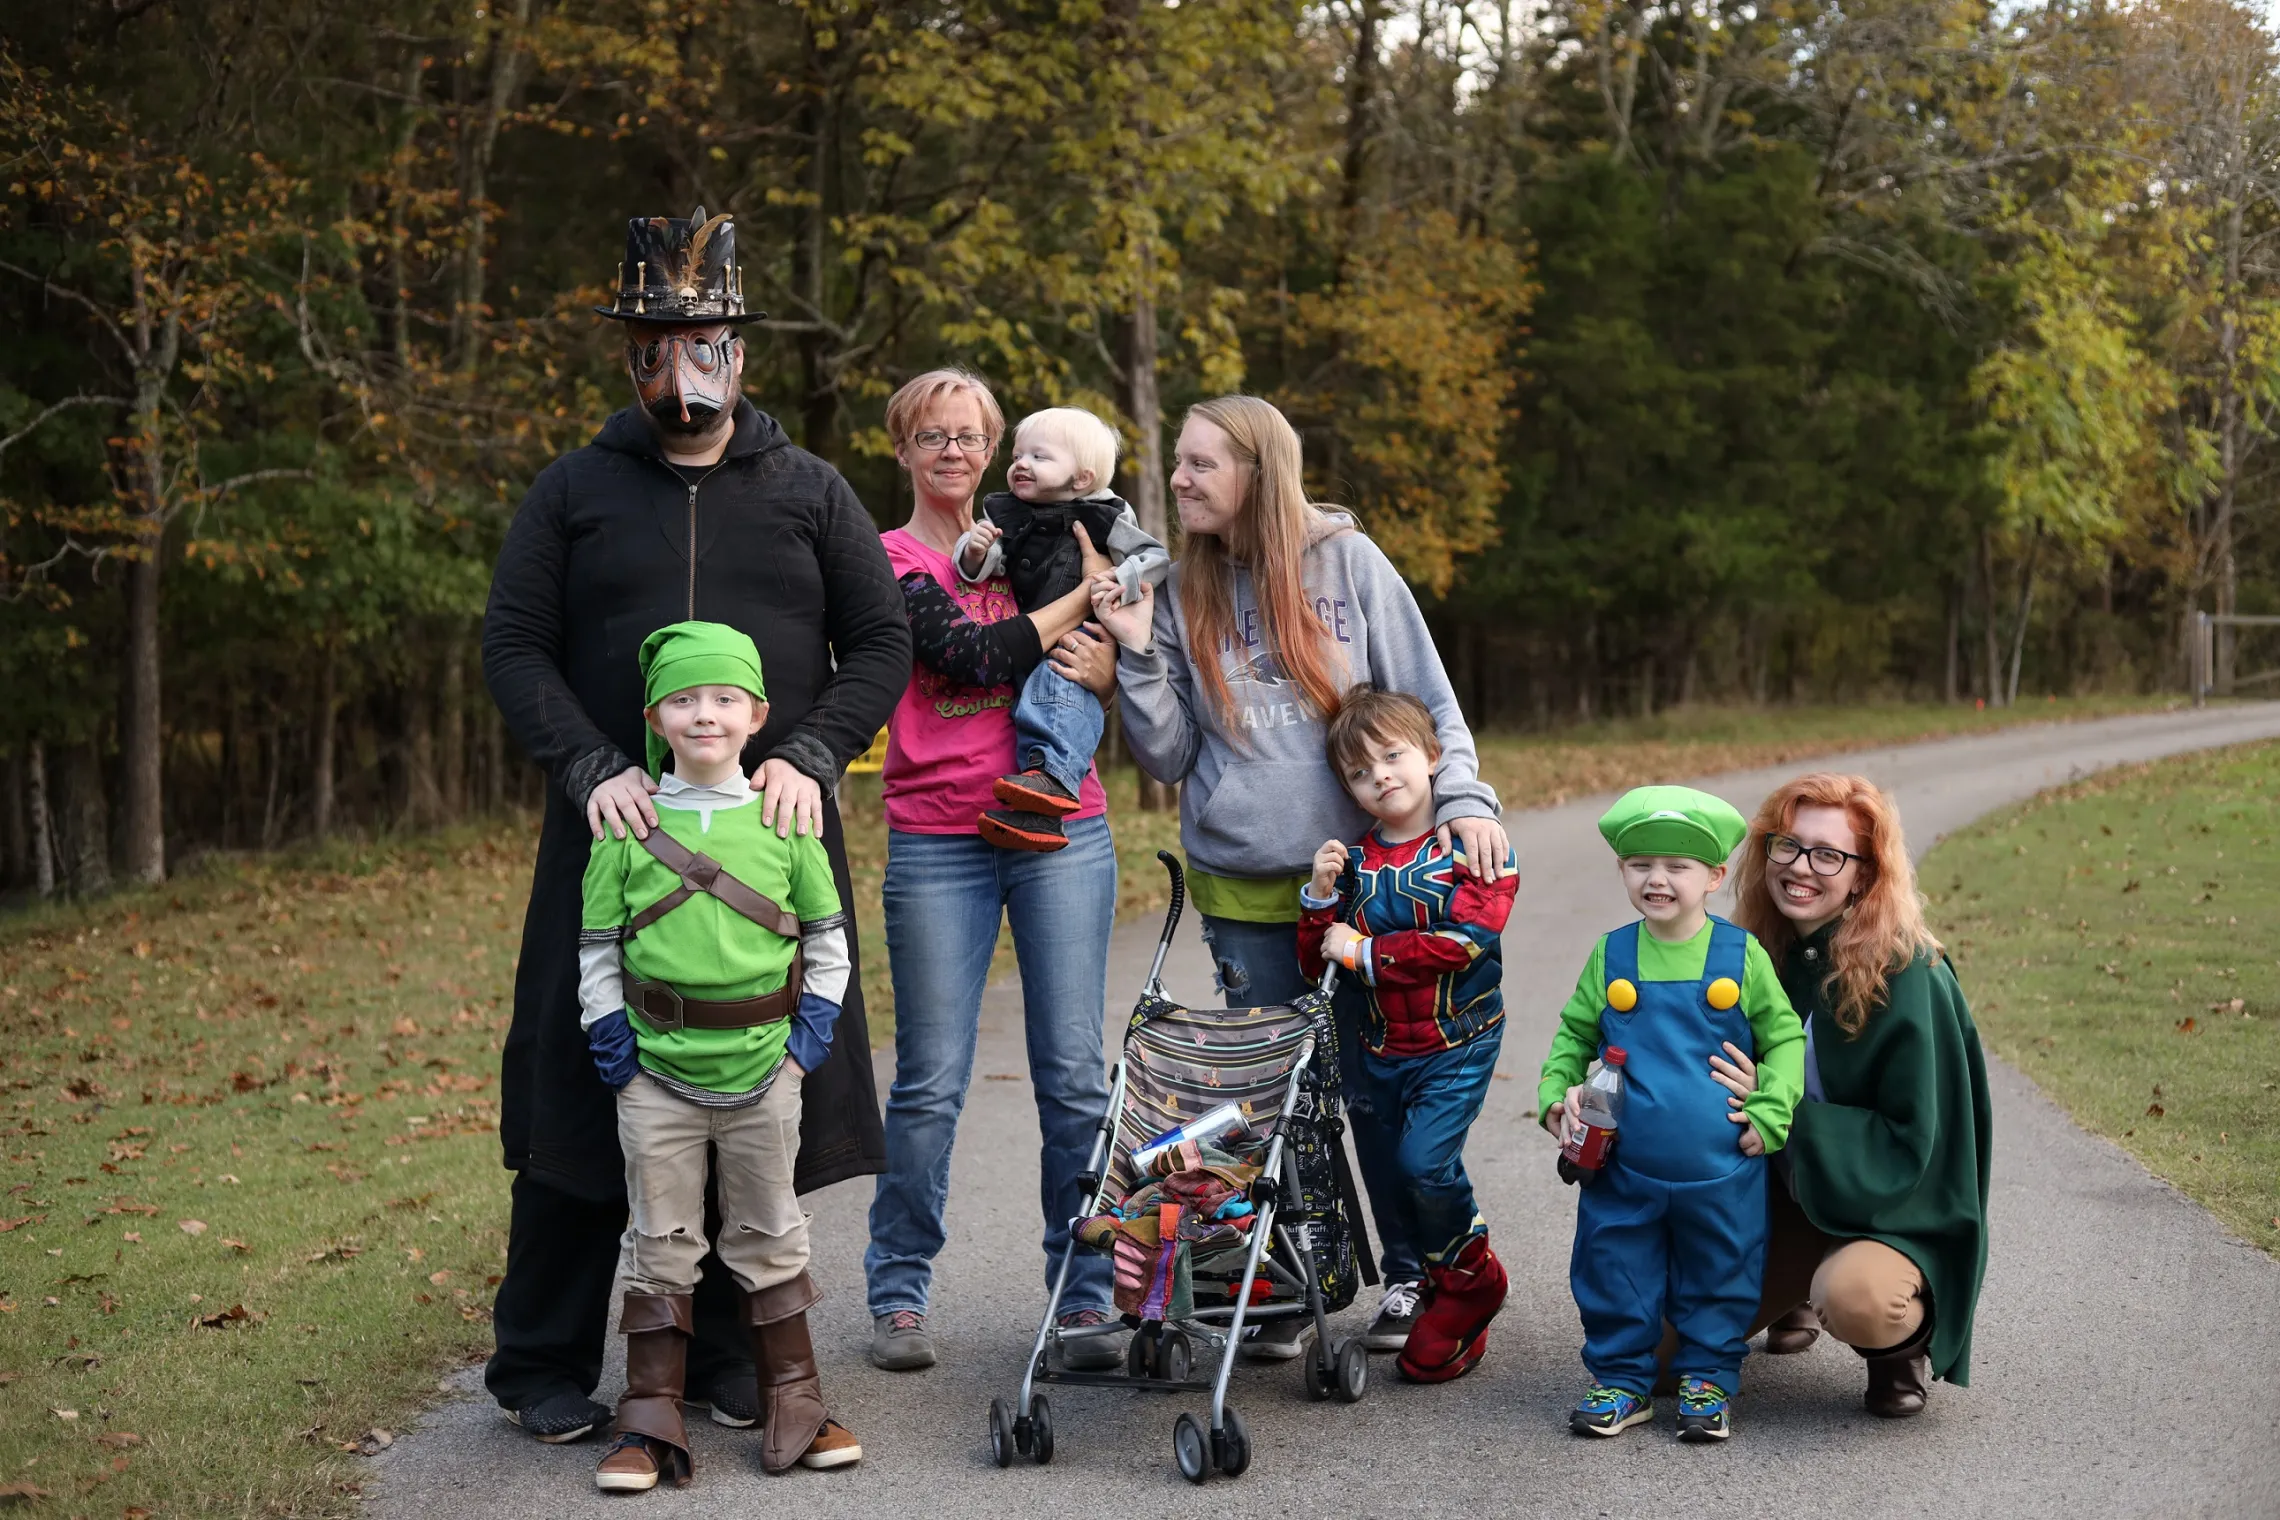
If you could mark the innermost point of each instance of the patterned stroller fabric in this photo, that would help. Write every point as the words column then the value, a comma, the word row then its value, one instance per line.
column 1180, row 1064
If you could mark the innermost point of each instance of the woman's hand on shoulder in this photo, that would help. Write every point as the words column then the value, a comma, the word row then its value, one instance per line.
column 622, row 803
column 1086, row 657
column 1486, row 846
column 789, row 798
column 1135, row 626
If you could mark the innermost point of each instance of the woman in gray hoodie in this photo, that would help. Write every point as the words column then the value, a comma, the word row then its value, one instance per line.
column 1275, row 609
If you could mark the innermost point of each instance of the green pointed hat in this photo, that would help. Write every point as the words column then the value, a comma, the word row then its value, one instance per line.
column 682, row 655
column 1673, row 820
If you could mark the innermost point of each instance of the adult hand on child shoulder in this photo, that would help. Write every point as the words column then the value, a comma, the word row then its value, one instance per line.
column 789, row 797
column 1329, row 864
column 622, row 803
column 1486, row 846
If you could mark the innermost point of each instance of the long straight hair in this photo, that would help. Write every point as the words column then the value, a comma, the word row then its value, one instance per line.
column 1268, row 537
column 1883, row 929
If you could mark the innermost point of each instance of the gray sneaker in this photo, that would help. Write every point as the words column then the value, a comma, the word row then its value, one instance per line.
column 1281, row 1340
column 899, row 1342
column 1091, row 1353
column 1397, row 1312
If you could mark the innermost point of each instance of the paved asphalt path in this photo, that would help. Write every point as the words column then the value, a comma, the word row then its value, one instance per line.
column 2128, row 1349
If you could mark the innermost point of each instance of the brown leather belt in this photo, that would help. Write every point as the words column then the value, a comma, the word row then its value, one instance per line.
column 667, row 1012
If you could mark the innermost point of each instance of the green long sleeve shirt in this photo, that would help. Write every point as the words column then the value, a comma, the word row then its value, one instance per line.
column 1780, row 1037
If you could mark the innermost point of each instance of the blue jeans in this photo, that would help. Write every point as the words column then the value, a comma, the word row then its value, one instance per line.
column 1257, row 964
column 1429, row 1103
column 945, row 895
column 1057, row 725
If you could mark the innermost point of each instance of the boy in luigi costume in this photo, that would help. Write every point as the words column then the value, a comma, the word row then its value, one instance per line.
column 712, row 959
column 1674, row 1226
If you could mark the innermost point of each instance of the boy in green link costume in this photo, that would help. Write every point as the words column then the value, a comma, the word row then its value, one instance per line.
column 1674, row 1224
column 712, row 960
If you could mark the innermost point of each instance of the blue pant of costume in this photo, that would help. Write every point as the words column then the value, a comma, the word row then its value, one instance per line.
column 1057, row 726
column 1691, row 1252
column 1422, row 1107
column 1675, row 1226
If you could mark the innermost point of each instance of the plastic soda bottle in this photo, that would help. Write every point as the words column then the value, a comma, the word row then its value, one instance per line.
column 1599, row 1108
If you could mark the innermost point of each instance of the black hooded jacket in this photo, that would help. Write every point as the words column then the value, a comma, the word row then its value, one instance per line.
column 610, row 545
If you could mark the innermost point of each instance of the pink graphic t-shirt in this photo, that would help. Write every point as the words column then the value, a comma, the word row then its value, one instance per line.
column 947, row 743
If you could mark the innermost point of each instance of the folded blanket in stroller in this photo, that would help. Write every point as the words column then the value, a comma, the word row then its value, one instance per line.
column 1155, row 1232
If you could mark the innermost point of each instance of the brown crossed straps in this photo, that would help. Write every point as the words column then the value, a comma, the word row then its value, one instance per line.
column 702, row 873
column 663, row 1007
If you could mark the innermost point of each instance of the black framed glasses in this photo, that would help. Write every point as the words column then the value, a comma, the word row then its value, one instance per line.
column 934, row 441
column 1821, row 859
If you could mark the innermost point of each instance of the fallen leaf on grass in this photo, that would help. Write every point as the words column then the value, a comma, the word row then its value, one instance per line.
column 2154, row 1110
column 336, row 1253
column 2188, row 1025
column 236, row 1245
column 234, row 1314
column 440, row 1278
column 2233, row 1006
column 371, row 1444
column 18, row 1223
column 118, row 1439
column 193, row 1226
column 65, row 1414
column 133, row 1235
column 20, row 1493
column 345, row 1173
column 134, row 1512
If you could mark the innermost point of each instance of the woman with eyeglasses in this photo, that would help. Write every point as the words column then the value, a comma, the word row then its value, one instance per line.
column 947, row 889
column 1880, row 1236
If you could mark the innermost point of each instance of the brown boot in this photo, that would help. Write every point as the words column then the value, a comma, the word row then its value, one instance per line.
column 788, row 1383
column 1899, row 1380
column 652, row 1442
column 1793, row 1332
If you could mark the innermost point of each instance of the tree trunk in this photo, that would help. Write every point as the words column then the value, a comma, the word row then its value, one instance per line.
column 494, row 759
column 1949, row 692
column 326, row 721
column 1144, row 402
column 1990, row 635
column 814, row 124
column 86, row 853
column 18, row 866
column 451, row 730
column 505, row 79
column 39, row 819
column 141, row 756
column 1361, row 100
column 274, row 745
column 421, row 807
column 2026, row 610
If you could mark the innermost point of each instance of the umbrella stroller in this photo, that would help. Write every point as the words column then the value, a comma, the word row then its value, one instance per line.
column 1290, row 1241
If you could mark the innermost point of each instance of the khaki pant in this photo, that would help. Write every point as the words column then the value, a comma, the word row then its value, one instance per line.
column 1867, row 1295
column 764, row 1233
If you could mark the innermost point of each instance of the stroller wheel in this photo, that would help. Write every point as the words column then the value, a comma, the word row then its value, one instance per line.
column 1040, row 1429
column 1175, row 1356
column 1001, row 1434
column 1234, row 1443
column 1353, row 1370
column 1140, row 1351
column 1318, row 1370
column 1188, row 1448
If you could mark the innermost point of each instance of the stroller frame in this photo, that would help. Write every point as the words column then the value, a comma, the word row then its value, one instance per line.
column 1162, row 1354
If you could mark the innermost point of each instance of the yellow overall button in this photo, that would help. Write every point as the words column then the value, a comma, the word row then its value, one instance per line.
column 1723, row 993
column 1622, row 996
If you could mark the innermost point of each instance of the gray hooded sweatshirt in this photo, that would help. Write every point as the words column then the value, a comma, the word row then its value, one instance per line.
column 1261, row 805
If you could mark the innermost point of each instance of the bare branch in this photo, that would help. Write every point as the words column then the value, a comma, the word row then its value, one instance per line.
column 65, row 404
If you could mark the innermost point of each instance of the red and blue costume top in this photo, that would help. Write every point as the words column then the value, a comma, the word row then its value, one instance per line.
column 1432, row 949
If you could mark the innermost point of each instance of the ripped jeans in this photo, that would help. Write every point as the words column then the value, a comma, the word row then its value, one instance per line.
column 1257, row 964
column 763, row 1231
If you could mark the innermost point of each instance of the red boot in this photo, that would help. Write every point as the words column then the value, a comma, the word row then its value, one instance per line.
column 1451, row 1334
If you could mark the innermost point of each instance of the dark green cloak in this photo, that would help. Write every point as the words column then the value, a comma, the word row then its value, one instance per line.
column 1899, row 1150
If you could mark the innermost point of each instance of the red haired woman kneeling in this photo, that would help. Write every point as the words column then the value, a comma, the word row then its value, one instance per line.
column 1880, row 1237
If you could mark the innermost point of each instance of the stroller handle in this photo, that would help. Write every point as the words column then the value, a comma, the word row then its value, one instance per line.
column 1171, row 919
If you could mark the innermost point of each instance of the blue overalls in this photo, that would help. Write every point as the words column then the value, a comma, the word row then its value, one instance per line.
column 1675, row 1226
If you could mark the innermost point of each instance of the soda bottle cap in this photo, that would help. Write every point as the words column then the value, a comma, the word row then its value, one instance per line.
column 1615, row 1055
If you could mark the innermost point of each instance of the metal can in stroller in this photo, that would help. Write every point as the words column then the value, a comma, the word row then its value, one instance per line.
column 1276, row 1229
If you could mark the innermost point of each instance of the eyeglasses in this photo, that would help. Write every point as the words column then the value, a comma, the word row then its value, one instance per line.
column 1822, row 859
column 934, row 441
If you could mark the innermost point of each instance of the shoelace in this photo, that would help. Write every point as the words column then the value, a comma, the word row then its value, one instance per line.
column 1400, row 1299
column 1604, row 1398
column 906, row 1319
column 1084, row 1319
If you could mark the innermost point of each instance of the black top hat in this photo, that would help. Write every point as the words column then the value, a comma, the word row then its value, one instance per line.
column 680, row 271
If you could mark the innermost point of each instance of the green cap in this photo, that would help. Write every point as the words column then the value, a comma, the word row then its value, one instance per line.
column 1673, row 820
column 682, row 655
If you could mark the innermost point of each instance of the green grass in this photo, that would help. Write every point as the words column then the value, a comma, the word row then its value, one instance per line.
column 2115, row 937
column 299, row 1056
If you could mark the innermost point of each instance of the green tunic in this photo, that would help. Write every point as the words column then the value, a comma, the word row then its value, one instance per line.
column 704, row 948
column 1897, row 1150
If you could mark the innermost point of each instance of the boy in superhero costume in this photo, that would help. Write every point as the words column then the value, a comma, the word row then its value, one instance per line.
column 1425, row 937
column 1674, row 1224
column 712, row 961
